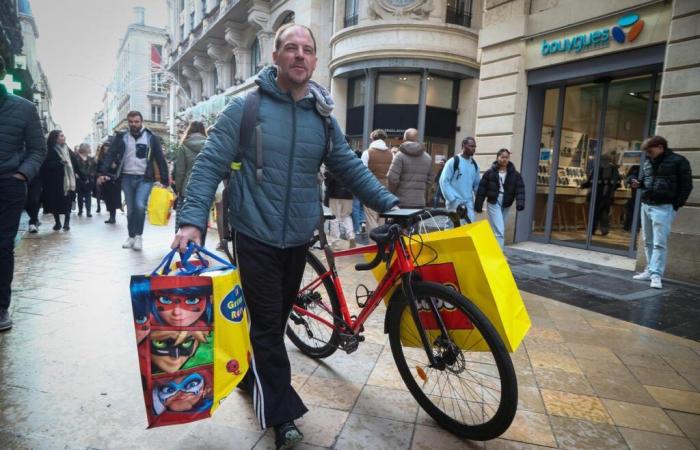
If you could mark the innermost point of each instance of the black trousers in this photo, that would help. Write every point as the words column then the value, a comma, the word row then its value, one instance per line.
column 84, row 191
column 13, row 193
column 271, row 277
column 33, row 203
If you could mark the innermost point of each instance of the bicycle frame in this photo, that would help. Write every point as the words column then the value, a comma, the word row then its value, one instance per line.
column 401, row 265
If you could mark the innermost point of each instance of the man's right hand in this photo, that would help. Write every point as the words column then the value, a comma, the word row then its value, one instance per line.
column 102, row 179
column 185, row 235
column 634, row 183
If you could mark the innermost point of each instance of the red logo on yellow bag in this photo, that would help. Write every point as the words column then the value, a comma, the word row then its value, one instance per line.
column 454, row 320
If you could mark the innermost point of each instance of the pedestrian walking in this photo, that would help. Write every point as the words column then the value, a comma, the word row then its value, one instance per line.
column 33, row 203
column 378, row 159
column 22, row 151
column 274, row 205
column 500, row 186
column 460, row 178
column 608, row 181
column 409, row 174
column 59, row 177
column 110, row 191
column 666, row 181
column 140, row 164
column 340, row 203
column 359, row 223
column 438, row 199
column 86, row 171
column 190, row 145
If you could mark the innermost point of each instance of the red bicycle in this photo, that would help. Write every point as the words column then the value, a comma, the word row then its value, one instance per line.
column 449, row 355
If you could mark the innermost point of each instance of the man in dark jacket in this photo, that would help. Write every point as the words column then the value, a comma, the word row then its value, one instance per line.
column 275, row 207
column 409, row 175
column 139, row 164
column 22, row 150
column 500, row 185
column 666, row 181
column 340, row 202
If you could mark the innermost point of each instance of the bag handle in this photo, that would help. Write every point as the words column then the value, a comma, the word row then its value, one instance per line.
column 187, row 267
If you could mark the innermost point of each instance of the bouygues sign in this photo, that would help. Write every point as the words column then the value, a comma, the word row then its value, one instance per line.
column 626, row 30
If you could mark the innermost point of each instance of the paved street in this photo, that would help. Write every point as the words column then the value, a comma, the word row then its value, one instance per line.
column 71, row 379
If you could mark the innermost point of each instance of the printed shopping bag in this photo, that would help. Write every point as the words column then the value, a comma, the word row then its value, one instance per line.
column 469, row 260
column 160, row 203
column 192, row 336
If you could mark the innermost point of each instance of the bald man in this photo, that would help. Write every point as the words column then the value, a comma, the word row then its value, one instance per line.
column 409, row 175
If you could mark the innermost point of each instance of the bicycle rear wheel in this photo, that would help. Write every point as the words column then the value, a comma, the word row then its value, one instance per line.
column 473, row 391
column 317, row 296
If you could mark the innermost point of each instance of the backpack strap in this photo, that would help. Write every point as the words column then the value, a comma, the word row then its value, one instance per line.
column 455, row 166
column 246, row 127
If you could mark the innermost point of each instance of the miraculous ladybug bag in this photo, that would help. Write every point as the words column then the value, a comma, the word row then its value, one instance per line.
column 192, row 336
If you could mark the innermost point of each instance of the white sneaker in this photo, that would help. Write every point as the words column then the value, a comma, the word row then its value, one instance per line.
column 33, row 228
column 129, row 243
column 644, row 276
column 655, row 282
column 138, row 243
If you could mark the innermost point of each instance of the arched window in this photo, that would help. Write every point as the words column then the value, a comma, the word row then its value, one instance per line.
column 254, row 57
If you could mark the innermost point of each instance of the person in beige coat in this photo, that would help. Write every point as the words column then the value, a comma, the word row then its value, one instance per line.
column 409, row 175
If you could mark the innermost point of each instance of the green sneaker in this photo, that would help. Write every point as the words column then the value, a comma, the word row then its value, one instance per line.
column 287, row 435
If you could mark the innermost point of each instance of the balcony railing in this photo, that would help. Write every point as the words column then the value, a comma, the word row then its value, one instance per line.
column 459, row 16
column 350, row 21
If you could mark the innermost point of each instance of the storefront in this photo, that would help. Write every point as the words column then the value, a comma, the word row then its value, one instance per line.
column 586, row 119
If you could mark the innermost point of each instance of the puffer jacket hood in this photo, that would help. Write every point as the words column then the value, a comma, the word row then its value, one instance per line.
column 195, row 142
column 281, row 208
column 412, row 148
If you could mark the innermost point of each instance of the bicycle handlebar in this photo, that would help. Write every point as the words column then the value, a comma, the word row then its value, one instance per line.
column 382, row 235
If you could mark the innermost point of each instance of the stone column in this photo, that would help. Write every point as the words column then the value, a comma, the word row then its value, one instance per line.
column 194, row 81
column 222, row 57
column 206, row 69
column 678, row 121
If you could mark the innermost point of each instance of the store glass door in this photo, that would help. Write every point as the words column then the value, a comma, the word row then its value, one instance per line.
column 589, row 148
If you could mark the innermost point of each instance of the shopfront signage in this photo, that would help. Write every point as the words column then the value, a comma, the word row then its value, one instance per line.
column 627, row 29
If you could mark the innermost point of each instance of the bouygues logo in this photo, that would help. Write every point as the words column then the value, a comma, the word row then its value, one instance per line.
column 627, row 29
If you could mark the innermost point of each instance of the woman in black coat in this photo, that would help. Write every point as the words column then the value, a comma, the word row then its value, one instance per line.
column 59, row 179
column 111, row 190
column 500, row 185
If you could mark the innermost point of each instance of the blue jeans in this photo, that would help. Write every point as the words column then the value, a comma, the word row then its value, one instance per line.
column 497, row 218
column 358, row 214
column 656, row 226
column 136, row 193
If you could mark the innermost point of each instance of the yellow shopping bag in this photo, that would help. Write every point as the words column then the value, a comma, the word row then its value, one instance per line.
column 159, row 204
column 192, row 338
column 469, row 259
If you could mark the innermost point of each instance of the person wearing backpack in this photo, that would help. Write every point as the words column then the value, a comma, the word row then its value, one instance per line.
column 274, row 205
column 500, row 186
column 460, row 178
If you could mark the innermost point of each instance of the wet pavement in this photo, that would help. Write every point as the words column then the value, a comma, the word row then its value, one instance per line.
column 71, row 380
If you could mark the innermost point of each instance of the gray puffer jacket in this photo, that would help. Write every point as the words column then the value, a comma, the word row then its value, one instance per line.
column 283, row 209
column 410, row 174
column 22, row 144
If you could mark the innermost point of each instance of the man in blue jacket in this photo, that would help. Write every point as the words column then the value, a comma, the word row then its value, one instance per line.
column 275, row 210
column 22, row 150
column 460, row 179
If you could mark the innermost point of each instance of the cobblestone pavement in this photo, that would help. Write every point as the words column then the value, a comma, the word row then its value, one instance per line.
column 70, row 374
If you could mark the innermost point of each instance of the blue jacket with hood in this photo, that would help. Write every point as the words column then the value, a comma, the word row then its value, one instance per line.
column 283, row 209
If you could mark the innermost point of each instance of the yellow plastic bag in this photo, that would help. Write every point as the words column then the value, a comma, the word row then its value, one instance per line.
column 192, row 337
column 469, row 259
column 159, row 204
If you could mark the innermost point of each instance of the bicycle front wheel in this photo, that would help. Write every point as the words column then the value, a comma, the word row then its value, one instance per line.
column 316, row 296
column 472, row 390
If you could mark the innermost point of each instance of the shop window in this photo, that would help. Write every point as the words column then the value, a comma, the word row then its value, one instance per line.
column 398, row 89
column 459, row 12
column 351, row 13
column 440, row 92
column 356, row 91
column 255, row 57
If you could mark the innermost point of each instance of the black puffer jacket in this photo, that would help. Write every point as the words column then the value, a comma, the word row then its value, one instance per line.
column 22, row 144
column 334, row 187
column 666, row 179
column 513, row 188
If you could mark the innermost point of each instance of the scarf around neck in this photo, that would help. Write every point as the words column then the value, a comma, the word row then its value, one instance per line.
column 68, row 173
